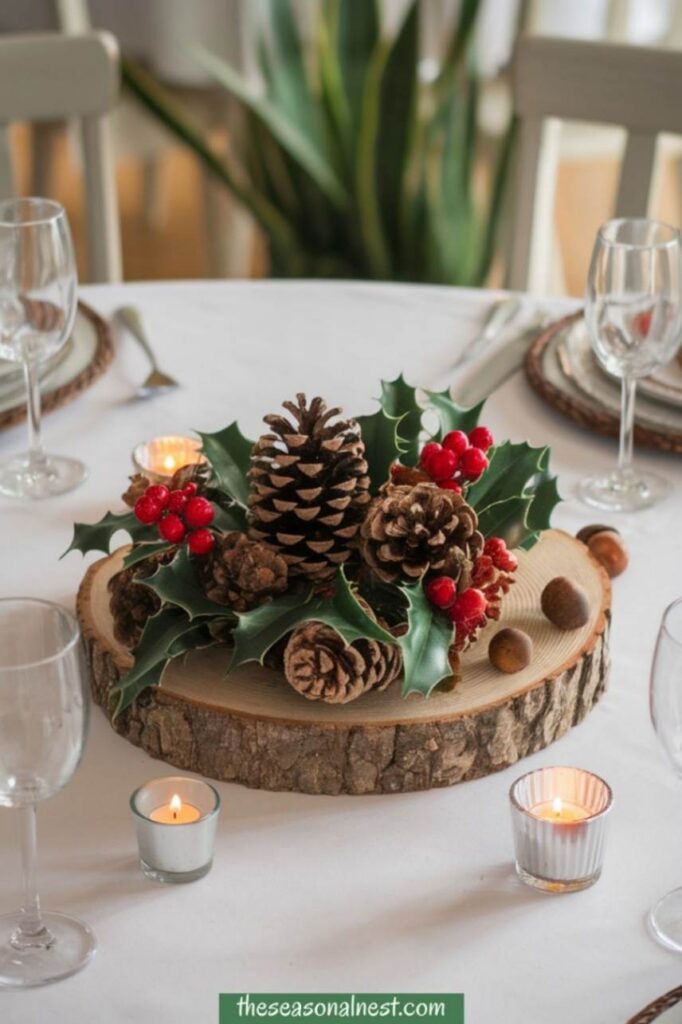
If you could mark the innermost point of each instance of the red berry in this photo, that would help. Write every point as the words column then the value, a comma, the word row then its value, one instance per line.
column 189, row 490
column 198, row 512
column 172, row 528
column 472, row 463
column 147, row 510
column 450, row 485
column 510, row 564
column 456, row 441
column 442, row 465
column 158, row 493
column 427, row 452
column 469, row 607
column 495, row 547
column 480, row 437
column 441, row 591
column 177, row 501
column 200, row 541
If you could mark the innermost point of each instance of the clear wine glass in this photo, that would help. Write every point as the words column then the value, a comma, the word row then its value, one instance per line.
column 666, row 714
column 37, row 311
column 43, row 723
column 633, row 311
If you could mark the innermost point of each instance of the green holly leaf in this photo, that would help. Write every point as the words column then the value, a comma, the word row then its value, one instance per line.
column 97, row 536
column 545, row 498
column 145, row 550
column 425, row 645
column 382, row 445
column 229, row 454
column 452, row 416
column 511, row 470
column 507, row 519
column 176, row 583
column 261, row 628
column 399, row 399
column 228, row 518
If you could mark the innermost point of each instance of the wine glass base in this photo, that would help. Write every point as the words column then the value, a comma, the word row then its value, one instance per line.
column 616, row 493
column 73, row 946
column 60, row 475
column 665, row 920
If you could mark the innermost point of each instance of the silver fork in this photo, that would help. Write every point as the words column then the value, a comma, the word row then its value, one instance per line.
column 157, row 382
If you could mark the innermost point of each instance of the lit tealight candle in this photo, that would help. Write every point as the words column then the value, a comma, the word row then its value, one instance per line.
column 561, row 811
column 176, row 812
column 159, row 458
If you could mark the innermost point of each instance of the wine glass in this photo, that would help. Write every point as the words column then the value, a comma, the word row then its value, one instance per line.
column 633, row 312
column 37, row 311
column 666, row 714
column 43, row 722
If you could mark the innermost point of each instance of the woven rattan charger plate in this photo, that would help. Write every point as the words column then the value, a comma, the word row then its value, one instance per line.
column 564, row 395
column 91, row 333
column 654, row 1010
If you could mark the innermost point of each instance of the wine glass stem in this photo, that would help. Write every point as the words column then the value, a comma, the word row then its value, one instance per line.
column 31, row 931
column 36, row 455
column 627, row 425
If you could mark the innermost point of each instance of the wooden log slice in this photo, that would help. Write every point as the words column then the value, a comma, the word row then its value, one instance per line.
column 253, row 728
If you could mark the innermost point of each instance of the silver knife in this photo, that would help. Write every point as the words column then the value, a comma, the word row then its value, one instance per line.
column 501, row 314
column 483, row 380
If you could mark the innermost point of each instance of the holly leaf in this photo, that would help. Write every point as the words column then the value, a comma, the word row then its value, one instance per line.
column 452, row 416
column 512, row 469
column 382, row 445
column 232, row 517
column 229, row 454
column 426, row 644
column 399, row 399
column 176, row 583
column 545, row 499
column 507, row 519
column 145, row 550
column 344, row 613
column 97, row 536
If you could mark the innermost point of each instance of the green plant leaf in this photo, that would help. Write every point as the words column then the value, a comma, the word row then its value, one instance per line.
column 425, row 645
column 545, row 499
column 288, row 83
column 452, row 416
column 176, row 583
column 374, row 241
column 229, row 453
column 299, row 146
column 143, row 550
column 97, row 536
column 357, row 32
column 232, row 517
column 382, row 445
column 512, row 468
column 399, row 400
column 507, row 519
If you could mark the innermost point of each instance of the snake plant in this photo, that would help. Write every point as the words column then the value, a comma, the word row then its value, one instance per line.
column 351, row 164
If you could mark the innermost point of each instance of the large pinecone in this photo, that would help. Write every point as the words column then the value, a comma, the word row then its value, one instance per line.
column 130, row 602
column 242, row 573
column 321, row 666
column 411, row 530
column 309, row 487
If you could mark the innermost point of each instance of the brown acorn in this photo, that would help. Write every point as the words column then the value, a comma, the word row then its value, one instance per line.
column 510, row 650
column 608, row 548
column 565, row 603
column 586, row 532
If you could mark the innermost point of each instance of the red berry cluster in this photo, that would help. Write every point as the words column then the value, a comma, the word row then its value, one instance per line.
column 466, row 609
column 459, row 459
column 178, row 514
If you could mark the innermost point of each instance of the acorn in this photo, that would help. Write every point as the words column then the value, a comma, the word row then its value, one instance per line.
column 608, row 548
column 588, row 531
column 565, row 603
column 510, row 650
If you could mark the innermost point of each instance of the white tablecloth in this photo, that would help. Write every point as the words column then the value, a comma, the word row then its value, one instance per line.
column 381, row 894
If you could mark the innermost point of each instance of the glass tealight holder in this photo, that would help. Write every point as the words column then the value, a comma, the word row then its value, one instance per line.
column 175, row 823
column 559, row 823
column 160, row 457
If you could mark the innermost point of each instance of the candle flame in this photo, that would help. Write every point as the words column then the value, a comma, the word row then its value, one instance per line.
column 557, row 805
column 169, row 462
column 175, row 805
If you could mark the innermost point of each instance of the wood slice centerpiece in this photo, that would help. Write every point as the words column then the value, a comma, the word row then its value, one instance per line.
column 253, row 728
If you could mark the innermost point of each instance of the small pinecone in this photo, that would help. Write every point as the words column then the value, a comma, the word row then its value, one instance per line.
column 309, row 487
column 321, row 666
column 198, row 473
column 409, row 531
column 131, row 603
column 242, row 573
column 136, row 488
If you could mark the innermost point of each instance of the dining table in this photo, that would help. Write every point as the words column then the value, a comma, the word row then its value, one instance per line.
column 396, row 893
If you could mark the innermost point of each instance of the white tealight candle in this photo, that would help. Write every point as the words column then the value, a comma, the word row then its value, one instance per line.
column 175, row 822
column 160, row 457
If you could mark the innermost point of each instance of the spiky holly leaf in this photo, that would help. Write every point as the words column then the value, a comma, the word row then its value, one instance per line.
column 545, row 499
column 261, row 628
column 399, row 399
column 426, row 644
column 382, row 445
column 176, row 583
column 452, row 416
column 507, row 519
column 229, row 454
column 511, row 470
column 228, row 517
column 139, row 552
column 97, row 536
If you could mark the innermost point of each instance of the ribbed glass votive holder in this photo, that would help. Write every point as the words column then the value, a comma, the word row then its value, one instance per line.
column 559, row 823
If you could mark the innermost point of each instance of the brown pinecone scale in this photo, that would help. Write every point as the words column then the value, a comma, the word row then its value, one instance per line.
column 321, row 666
column 309, row 487
column 412, row 530
column 130, row 602
column 242, row 573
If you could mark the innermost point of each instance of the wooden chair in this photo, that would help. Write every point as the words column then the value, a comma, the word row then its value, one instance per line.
column 45, row 78
column 637, row 88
